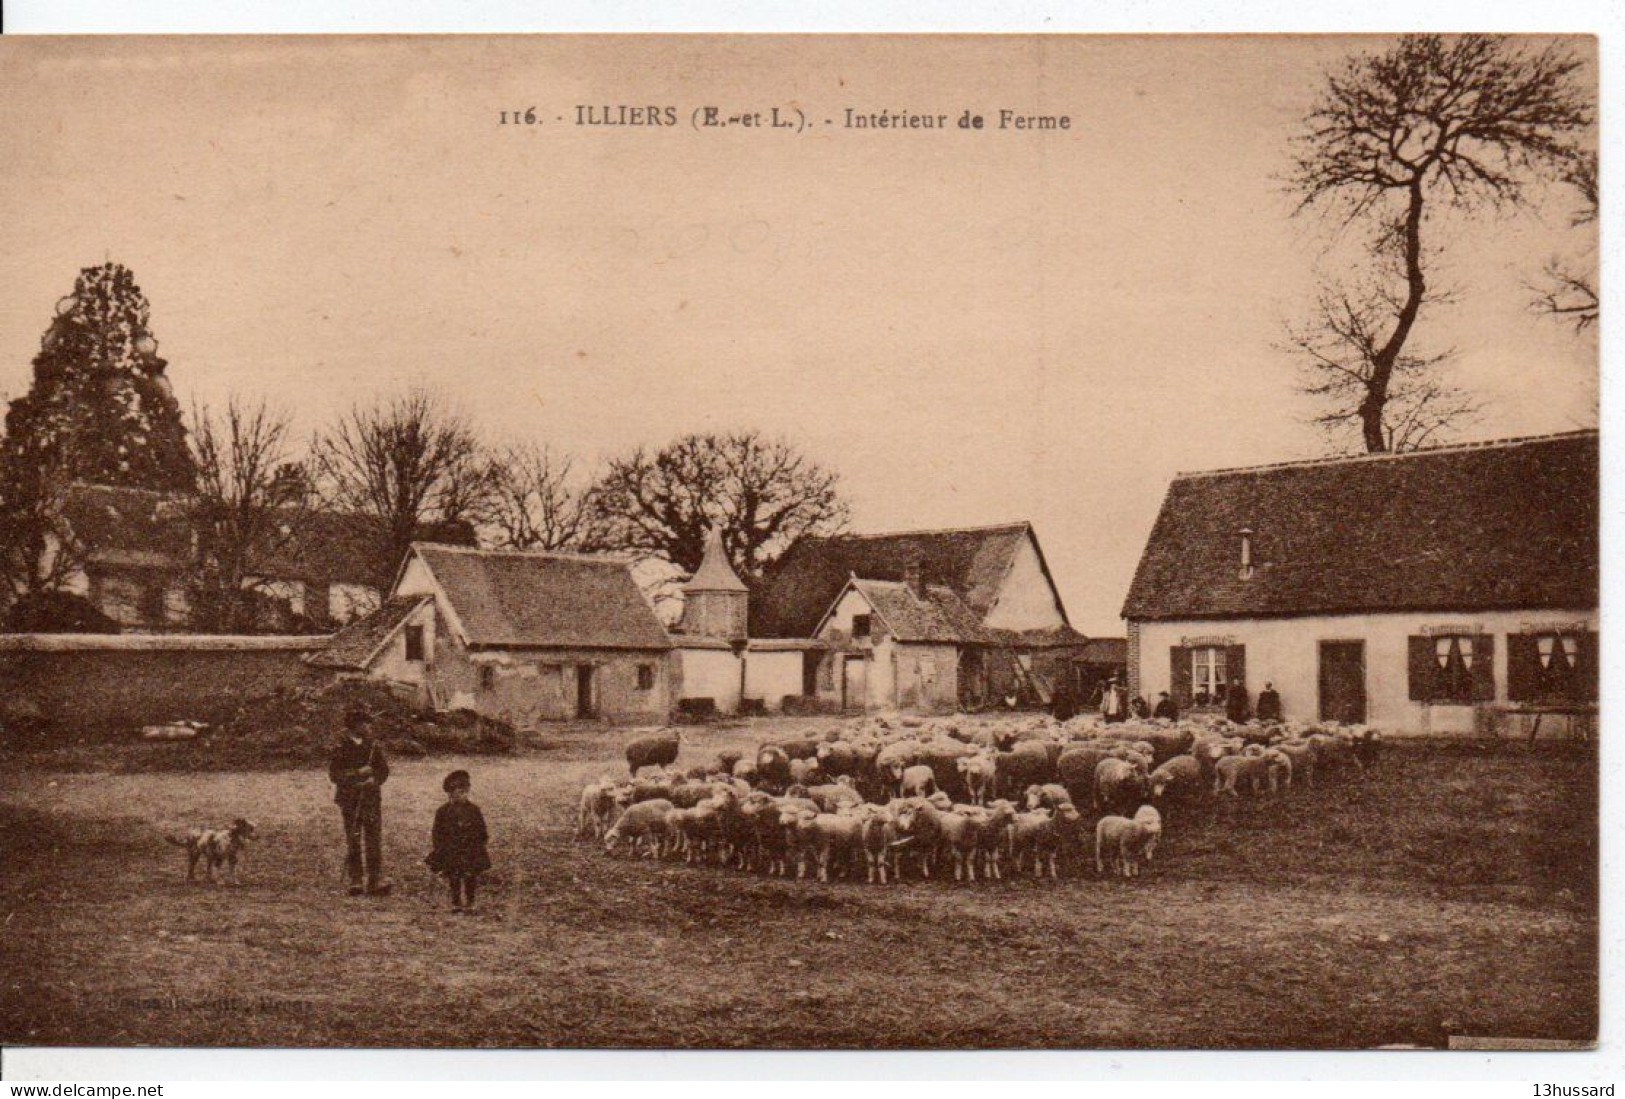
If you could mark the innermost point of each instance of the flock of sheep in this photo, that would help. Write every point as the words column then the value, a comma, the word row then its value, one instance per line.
column 987, row 796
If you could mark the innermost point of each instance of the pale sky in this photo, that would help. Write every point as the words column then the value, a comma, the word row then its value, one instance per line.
column 969, row 327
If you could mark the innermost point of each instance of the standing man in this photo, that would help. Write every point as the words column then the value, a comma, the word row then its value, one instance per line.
column 1235, row 704
column 1166, row 709
column 358, row 771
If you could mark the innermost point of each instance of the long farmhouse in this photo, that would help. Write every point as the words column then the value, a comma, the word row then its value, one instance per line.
column 1449, row 590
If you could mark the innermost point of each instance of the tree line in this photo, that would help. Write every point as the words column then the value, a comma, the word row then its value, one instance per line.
column 404, row 467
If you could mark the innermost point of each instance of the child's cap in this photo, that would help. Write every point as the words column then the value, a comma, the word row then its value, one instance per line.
column 457, row 780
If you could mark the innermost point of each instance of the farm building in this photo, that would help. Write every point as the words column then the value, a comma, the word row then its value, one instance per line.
column 1449, row 590
column 134, row 555
column 521, row 636
column 955, row 618
column 714, row 657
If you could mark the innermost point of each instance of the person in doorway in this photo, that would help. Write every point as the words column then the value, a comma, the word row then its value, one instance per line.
column 1269, row 704
column 1235, row 704
column 458, row 842
column 358, row 771
column 1113, row 706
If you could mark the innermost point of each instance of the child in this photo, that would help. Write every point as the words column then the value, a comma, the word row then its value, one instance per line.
column 459, row 842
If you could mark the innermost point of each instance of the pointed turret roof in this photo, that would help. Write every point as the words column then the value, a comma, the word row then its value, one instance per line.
column 715, row 573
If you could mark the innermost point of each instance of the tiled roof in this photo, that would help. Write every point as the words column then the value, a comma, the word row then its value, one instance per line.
column 941, row 616
column 792, row 597
column 1058, row 637
column 715, row 572
column 508, row 599
column 353, row 647
column 1509, row 524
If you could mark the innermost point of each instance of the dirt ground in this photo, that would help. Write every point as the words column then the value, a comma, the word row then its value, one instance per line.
column 1451, row 890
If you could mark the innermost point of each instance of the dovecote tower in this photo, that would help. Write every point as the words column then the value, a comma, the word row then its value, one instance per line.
column 715, row 600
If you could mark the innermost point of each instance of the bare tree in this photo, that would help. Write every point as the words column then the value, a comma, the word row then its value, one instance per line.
column 1432, row 123
column 1338, row 350
column 762, row 493
column 407, row 463
column 537, row 502
column 247, row 485
column 1569, row 288
column 40, row 551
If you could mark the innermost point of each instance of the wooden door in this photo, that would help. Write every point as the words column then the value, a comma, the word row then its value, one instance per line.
column 586, row 704
column 1342, row 681
column 854, row 683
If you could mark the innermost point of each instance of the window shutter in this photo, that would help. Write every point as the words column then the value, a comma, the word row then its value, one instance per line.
column 1179, row 675
column 1587, row 667
column 1523, row 667
column 1422, row 668
column 1484, row 667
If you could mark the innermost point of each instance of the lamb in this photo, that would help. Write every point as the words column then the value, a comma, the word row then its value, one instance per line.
column 597, row 807
column 917, row 781
column 1040, row 834
column 958, row 835
column 1124, row 841
column 877, row 838
column 659, row 750
column 1269, row 769
column 920, row 825
column 1177, row 777
column 976, row 773
column 695, row 831
column 993, row 835
column 1119, row 783
column 642, row 826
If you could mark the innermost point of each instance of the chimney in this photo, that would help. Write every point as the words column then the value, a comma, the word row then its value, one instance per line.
column 1246, row 553
column 913, row 576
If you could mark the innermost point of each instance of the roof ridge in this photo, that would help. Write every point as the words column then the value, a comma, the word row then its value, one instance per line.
column 553, row 555
column 1389, row 455
column 1018, row 524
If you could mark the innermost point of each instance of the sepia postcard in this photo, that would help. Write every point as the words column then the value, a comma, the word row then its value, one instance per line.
column 818, row 542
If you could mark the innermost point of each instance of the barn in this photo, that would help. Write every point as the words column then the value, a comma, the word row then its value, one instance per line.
column 1442, row 591
column 521, row 636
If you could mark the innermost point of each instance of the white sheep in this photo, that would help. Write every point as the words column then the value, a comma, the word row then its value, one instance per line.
column 1124, row 841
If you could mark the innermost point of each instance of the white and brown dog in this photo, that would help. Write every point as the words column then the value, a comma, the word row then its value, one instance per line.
column 215, row 847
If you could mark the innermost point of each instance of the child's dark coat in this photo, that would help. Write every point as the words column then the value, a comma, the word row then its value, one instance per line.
column 459, row 840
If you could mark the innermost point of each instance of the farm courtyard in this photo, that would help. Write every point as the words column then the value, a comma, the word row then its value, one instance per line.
column 1450, row 890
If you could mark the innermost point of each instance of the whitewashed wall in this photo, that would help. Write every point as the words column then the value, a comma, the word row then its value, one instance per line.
column 711, row 673
column 1026, row 601
column 770, row 676
column 1286, row 651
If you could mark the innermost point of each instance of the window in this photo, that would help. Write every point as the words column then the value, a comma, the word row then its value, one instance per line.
column 1208, row 676
column 488, row 677
column 861, row 624
column 414, row 644
column 1552, row 666
column 1452, row 668
column 646, row 677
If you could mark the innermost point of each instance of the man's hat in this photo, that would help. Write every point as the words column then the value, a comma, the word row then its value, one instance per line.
column 457, row 780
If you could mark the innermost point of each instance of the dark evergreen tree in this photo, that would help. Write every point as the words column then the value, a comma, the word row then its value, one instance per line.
column 100, row 408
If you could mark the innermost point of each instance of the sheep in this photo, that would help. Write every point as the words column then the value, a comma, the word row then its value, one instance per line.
column 1302, row 754
column 597, row 806
column 1124, row 841
column 919, row 824
column 772, row 767
column 958, row 834
column 659, row 750
column 976, row 774
column 745, row 771
column 1040, row 834
column 804, row 772
column 725, row 761
column 1177, row 777
column 877, row 839
column 1047, row 796
column 917, row 781
column 832, row 796
column 893, row 760
column 1256, row 771
column 804, row 748
column 695, row 831
column 942, row 756
column 1025, row 764
column 641, row 824
column 1075, row 770
column 993, row 835
column 1119, row 783
column 826, row 836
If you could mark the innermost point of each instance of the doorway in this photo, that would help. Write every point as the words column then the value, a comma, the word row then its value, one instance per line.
column 586, row 700
column 854, row 683
column 1342, row 682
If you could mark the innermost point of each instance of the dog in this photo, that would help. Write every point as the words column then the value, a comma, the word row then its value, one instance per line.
column 215, row 848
